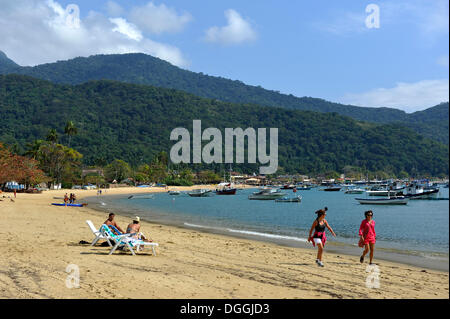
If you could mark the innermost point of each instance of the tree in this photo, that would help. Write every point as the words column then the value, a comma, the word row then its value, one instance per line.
column 33, row 149
column 19, row 168
column 58, row 160
column 117, row 170
column 52, row 136
column 70, row 130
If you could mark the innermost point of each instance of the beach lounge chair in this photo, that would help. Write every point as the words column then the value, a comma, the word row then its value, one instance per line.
column 125, row 240
column 97, row 233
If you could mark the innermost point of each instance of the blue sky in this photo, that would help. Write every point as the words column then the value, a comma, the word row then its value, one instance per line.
column 305, row 48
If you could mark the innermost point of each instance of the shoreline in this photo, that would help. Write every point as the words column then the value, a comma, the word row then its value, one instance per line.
column 39, row 241
column 432, row 261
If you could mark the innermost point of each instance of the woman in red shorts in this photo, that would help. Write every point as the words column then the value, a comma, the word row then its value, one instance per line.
column 367, row 235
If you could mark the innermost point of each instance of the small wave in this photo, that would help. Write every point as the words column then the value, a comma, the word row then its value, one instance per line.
column 248, row 232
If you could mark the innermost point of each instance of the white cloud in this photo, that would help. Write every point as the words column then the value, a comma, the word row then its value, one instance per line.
column 128, row 29
column 158, row 19
column 409, row 97
column 238, row 30
column 36, row 31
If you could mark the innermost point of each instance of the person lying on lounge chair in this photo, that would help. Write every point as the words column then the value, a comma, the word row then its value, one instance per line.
column 111, row 222
column 134, row 228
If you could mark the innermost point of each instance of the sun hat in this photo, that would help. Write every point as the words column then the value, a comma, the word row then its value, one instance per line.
column 137, row 219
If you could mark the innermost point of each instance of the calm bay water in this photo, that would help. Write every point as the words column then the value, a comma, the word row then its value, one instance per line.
column 421, row 227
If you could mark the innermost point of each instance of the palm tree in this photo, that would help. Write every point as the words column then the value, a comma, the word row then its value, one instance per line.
column 52, row 136
column 33, row 149
column 70, row 130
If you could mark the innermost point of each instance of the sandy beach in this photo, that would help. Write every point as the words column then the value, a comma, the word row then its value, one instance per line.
column 38, row 241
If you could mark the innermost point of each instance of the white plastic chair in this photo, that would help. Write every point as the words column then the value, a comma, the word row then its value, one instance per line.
column 98, row 234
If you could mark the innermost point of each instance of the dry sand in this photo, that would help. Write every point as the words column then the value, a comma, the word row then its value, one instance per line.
column 38, row 241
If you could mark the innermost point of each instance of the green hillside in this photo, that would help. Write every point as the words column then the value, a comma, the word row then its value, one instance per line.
column 133, row 122
column 144, row 69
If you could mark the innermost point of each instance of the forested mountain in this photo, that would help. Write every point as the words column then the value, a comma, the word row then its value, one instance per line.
column 431, row 123
column 133, row 122
column 144, row 69
column 7, row 65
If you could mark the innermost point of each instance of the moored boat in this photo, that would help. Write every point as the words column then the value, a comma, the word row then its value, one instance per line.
column 332, row 189
column 226, row 189
column 174, row 193
column 297, row 199
column 354, row 191
column 267, row 194
column 415, row 191
column 200, row 193
column 394, row 200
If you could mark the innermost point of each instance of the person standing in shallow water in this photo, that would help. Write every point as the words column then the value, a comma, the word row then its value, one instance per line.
column 367, row 235
column 319, row 238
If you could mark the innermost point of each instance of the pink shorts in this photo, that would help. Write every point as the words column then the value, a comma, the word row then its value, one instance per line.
column 369, row 241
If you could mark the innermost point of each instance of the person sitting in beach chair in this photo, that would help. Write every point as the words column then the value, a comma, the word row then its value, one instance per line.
column 134, row 228
column 111, row 222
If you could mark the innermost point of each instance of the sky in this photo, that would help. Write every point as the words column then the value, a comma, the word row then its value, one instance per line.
column 367, row 53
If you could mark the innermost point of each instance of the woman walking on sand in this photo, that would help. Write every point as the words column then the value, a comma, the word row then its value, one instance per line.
column 367, row 235
column 319, row 238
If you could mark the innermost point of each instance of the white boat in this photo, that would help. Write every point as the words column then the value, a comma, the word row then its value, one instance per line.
column 394, row 200
column 354, row 191
column 297, row 199
column 415, row 191
column 267, row 194
column 174, row 192
column 200, row 193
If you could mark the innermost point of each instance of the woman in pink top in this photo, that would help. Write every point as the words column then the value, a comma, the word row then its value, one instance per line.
column 367, row 235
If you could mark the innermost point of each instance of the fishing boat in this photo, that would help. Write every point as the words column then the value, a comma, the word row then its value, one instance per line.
column 267, row 194
column 287, row 186
column 332, row 189
column 174, row 193
column 303, row 188
column 415, row 191
column 393, row 200
column 297, row 199
column 354, row 191
column 225, row 189
column 200, row 193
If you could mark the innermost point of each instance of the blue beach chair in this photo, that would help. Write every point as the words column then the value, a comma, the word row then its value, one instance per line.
column 125, row 240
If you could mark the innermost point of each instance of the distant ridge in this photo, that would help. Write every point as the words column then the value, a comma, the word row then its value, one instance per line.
column 7, row 65
column 140, row 68
column 133, row 122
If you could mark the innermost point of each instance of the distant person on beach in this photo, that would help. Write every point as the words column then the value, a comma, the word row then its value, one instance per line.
column 111, row 222
column 134, row 228
column 66, row 199
column 74, row 198
column 367, row 235
column 319, row 238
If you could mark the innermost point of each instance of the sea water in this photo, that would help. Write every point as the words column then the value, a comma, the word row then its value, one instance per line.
column 420, row 227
